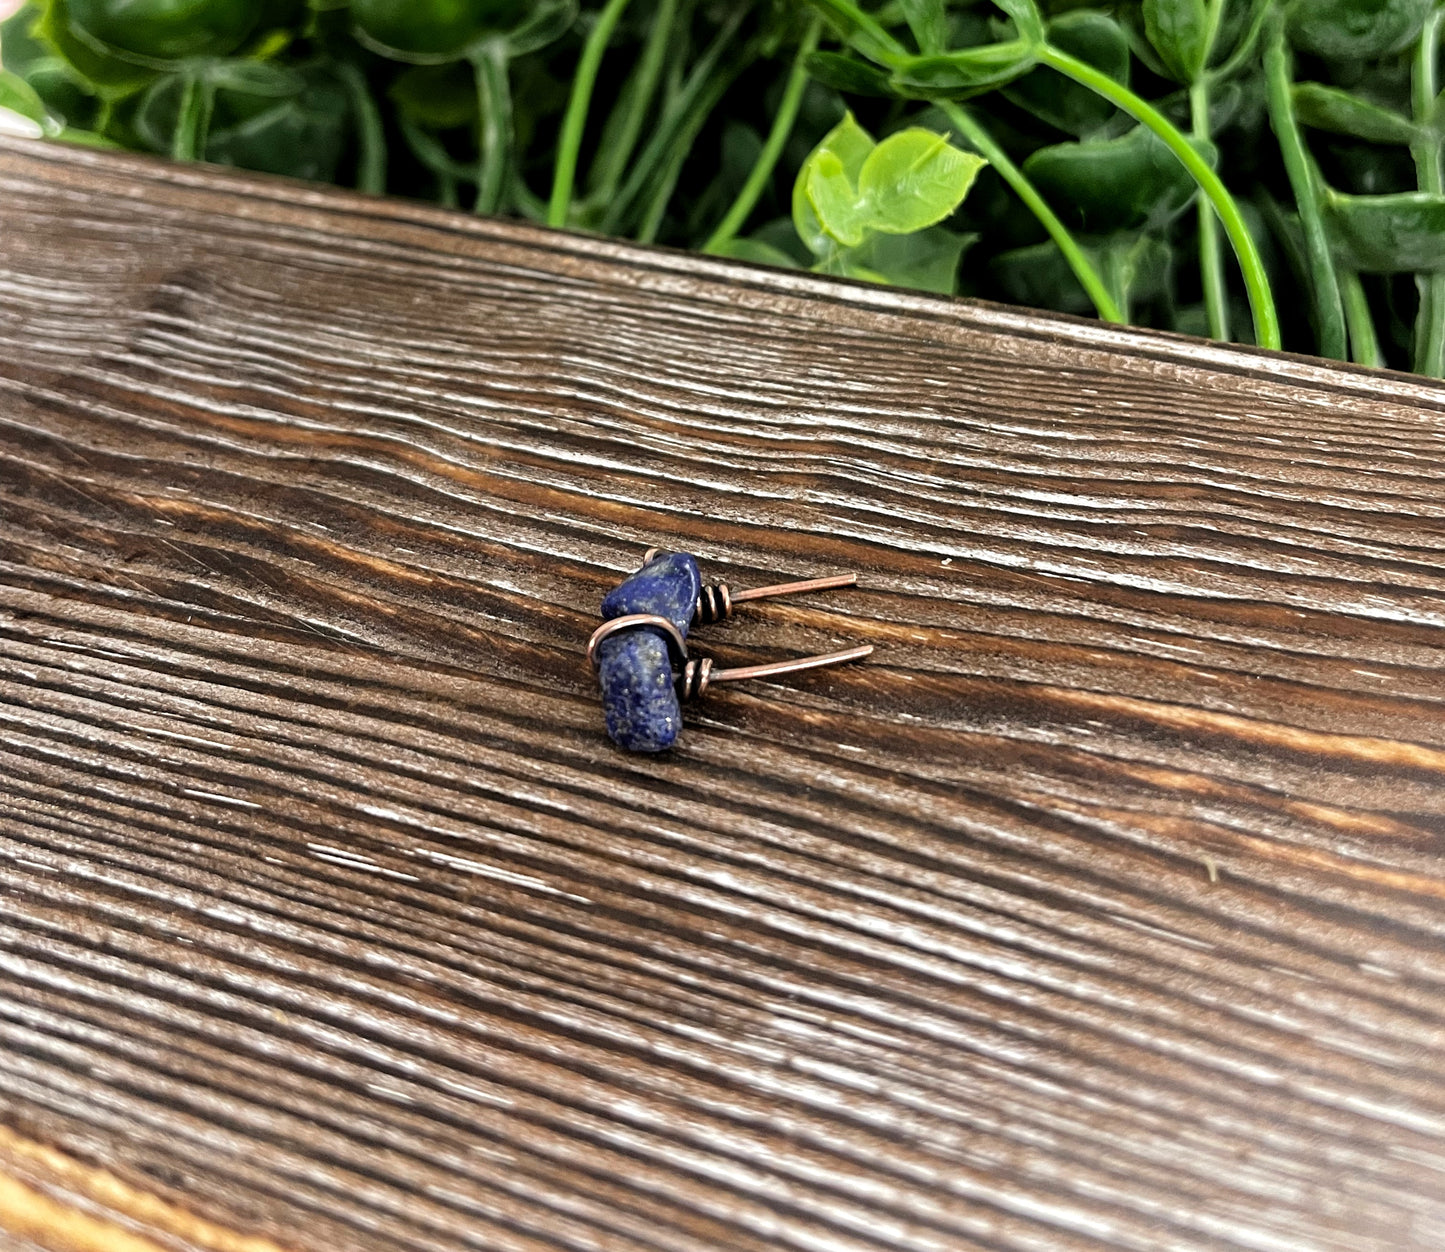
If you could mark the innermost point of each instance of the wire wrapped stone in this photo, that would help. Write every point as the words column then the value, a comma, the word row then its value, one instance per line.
column 640, row 650
column 635, row 666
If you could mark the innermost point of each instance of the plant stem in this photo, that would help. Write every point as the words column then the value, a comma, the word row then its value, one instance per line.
column 1430, row 320
column 524, row 200
column 1256, row 281
column 1364, row 346
column 974, row 133
column 1211, row 256
column 188, row 142
column 1245, row 48
column 494, row 120
column 370, row 132
column 662, row 196
column 569, row 143
column 621, row 140
column 861, row 31
column 655, row 171
column 714, row 88
column 767, row 161
column 1116, row 275
column 1303, row 181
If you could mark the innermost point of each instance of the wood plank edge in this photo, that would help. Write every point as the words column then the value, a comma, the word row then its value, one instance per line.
column 981, row 315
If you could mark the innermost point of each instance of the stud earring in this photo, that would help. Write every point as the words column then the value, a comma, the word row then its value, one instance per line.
column 640, row 652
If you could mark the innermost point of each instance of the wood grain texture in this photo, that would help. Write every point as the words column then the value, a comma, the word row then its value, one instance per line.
column 1103, row 909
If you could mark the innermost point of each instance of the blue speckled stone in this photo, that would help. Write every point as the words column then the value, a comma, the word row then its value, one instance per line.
column 634, row 666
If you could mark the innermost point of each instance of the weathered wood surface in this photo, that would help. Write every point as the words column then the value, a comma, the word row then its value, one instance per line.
column 1103, row 909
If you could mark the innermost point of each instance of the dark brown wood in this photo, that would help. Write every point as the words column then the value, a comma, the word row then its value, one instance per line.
column 1104, row 908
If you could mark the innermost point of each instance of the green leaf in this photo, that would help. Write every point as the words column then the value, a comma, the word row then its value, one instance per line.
column 158, row 114
column 87, row 139
column 18, row 40
column 758, row 252
column 780, row 234
column 928, row 20
column 847, row 146
column 18, row 97
column 1112, row 184
column 1388, row 234
column 431, row 31
column 1027, row 18
column 914, row 179
column 1329, row 108
column 927, row 259
column 850, row 186
column 1356, row 30
column 164, row 30
column 835, row 200
column 545, row 24
column 1180, row 32
column 110, row 77
column 848, row 74
column 1136, row 267
column 1038, row 277
column 970, row 72
column 850, row 143
column 66, row 99
column 241, row 91
column 858, row 30
column 303, row 138
column 1062, row 103
column 840, row 265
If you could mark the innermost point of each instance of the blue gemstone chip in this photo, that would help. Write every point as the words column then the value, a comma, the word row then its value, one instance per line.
column 635, row 666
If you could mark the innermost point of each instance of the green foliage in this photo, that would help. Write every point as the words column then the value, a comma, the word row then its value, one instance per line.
column 109, row 74
column 964, row 74
column 1112, row 155
column 1356, row 30
column 928, row 20
column 1137, row 267
column 432, row 30
column 1331, row 109
column 164, row 30
column 1401, row 233
column 1181, row 32
column 853, row 192
column 19, row 98
column 1113, row 184
column 1062, row 103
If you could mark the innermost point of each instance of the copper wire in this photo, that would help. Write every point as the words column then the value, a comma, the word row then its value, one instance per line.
column 694, row 676
column 716, row 602
column 676, row 644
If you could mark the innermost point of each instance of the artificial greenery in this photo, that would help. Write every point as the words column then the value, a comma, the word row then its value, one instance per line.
column 1262, row 170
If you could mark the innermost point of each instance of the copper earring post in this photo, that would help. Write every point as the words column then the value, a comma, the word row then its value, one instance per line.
column 693, row 677
column 697, row 676
column 716, row 602
column 741, row 673
column 794, row 589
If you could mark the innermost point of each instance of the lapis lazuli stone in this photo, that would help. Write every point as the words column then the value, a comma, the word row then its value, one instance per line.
column 635, row 668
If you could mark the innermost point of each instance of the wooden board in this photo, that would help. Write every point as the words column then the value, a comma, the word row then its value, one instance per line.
column 1104, row 908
